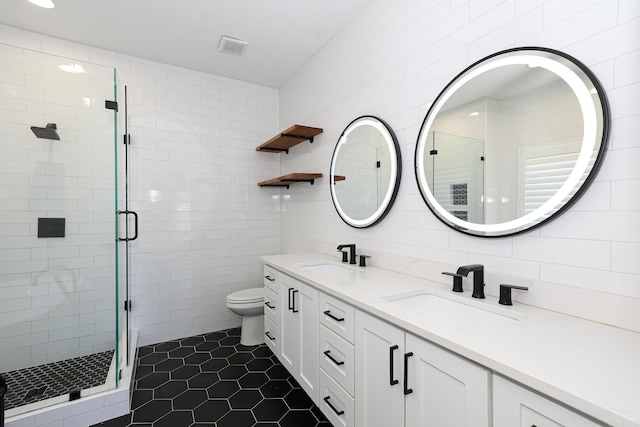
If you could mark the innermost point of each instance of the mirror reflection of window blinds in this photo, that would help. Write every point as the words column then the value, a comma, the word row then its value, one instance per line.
column 543, row 171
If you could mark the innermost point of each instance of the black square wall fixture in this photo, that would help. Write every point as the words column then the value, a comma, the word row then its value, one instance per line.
column 51, row 227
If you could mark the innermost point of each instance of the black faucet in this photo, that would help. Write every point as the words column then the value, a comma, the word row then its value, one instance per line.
column 352, row 253
column 478, row 278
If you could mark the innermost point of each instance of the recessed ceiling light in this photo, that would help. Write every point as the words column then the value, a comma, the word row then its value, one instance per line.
column 47, row 4
column 232, row 46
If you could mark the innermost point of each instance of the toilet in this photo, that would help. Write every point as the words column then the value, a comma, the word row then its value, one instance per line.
column 249, row 304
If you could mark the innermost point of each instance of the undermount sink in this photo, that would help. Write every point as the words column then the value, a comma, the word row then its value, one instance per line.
column 326, row 269
column 451, row 312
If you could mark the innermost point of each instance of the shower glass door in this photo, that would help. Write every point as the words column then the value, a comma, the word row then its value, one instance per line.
column 59, row 267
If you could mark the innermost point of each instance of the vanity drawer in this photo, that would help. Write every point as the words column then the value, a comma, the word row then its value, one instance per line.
column 272, row 336
column 271, row 305
column 270, row 278
column 337, row 359
column 338, row 316
column 335, row 403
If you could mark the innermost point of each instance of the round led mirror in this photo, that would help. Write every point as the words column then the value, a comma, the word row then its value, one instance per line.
column 512, row 142
column 365, row 172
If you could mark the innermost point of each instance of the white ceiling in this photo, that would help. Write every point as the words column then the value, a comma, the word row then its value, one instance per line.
column 282, row 34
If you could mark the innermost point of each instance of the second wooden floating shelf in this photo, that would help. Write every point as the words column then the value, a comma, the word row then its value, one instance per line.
column 286, row 180
column 290, row 137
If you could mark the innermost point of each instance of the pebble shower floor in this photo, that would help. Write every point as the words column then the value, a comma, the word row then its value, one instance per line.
column 212, row 380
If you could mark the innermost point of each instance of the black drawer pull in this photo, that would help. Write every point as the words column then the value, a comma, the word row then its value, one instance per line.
column 407, row 390
column 269, row 336
column 289, row 305
column 268, row 304
column 326, row 353
column 391, row 380
column 333, row 408
column 269, row 278
column 328, row 313
column 293, row 302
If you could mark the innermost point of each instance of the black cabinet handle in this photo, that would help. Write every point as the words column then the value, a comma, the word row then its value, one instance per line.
column 268, row 304
column 337, row 319
column 289, row 306
column 293, row 302
column 269, row 278
column 407, row 390
column 391, row 350
column 326, row 353
column 269, row 336
column 333, row 408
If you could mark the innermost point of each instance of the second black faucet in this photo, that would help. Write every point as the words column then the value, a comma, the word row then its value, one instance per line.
column 478, row 278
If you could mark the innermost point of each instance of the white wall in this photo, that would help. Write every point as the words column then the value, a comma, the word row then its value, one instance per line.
column 203, row 220
column 392, row 61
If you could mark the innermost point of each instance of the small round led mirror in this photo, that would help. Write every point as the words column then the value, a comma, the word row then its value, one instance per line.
column 365, row 172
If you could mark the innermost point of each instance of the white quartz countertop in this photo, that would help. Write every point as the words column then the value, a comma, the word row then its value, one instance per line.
column 591, row 367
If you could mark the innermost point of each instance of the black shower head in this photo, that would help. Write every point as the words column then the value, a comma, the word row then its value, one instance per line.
column 47, row 132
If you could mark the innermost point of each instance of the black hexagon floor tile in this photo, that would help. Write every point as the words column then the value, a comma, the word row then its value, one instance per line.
column 276, row 388
column 197, row 358
column 175, row 418
column 223, row 352
column 152, row 381
column 233, row 372
column 190, row 399
column 298, row 399
column 253, row 380
column 240, row 358
column 245, row 399
column 261, row 364
column 204, row 380
column 185, row 372
column 214, row 365
column 223, row 389
column 298, row 418
column 168, row 365
column 237, row 419
column 207, row 346
column 170, row 390
column 270, row 410
column 211, row 410
column 212, row 380
column 230, row 341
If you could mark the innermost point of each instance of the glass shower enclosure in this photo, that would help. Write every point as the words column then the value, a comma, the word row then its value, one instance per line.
column 63, row 323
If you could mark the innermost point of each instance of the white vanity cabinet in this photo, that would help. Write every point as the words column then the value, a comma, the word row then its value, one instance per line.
column 299, row 332
column 403, row 380
column 515, row 406
column 272, row 310
column 337, row 361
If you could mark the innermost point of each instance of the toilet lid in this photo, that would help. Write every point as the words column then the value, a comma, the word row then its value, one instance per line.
column 247, row 295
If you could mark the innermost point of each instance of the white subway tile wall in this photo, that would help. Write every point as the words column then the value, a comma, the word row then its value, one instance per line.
column 203, row 220
column 393, row 59
column 54, row 304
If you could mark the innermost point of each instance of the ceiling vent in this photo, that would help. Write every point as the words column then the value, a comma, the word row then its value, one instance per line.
column 232, row 46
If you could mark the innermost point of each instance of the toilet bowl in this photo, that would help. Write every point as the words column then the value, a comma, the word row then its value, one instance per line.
column 249, row 304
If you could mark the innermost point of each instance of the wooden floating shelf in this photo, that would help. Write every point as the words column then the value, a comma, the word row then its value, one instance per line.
column 337, row 178
column 290, row 137
column 286, row 180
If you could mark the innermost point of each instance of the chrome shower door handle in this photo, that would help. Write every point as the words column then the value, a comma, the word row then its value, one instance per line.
column 135, row 222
